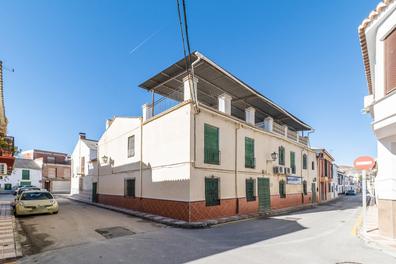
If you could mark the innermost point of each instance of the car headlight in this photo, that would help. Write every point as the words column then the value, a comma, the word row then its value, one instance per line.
column 21, row 204
column 53, row 202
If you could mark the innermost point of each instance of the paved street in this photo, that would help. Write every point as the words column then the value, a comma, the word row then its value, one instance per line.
column 320, row 235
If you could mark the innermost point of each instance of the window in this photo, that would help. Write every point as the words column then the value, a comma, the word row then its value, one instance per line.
column 51, row 172
column 211, row 145
column 131, row 146
column 329, row 187
column 305, row 191
column 212, row 191
column 293, row 162
column 313, row 165
column 66, row 173
column 25, row 174
column 281, row 154
column 129, row 187
column 305, row 161
column 250, row 190
column 51, row 159
column 390, row 62
column 249, row 153
column 282, row 189
column 25, row 183
column 325, row 167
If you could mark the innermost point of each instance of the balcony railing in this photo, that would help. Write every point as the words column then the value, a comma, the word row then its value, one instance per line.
column 250, row 162
column 212, row 156
column 278, row 129
column 7, row 147
column 292, row 135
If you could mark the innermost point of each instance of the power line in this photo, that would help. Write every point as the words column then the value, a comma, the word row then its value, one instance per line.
column 182, row 34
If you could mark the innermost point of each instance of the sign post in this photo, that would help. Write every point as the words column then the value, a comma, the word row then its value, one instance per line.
column 364, row 163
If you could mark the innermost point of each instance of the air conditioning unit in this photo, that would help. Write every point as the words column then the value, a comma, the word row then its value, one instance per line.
column 287, row 170
column 3, row 168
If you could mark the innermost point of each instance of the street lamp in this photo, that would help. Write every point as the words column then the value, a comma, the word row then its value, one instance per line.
column 105, row 159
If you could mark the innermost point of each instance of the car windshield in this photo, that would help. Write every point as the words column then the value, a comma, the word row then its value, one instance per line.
column 28, row 189
column 36, row 196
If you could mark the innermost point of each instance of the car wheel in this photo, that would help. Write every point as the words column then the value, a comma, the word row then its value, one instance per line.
column 55, row 212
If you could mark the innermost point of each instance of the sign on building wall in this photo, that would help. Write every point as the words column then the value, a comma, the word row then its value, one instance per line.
column 294, row 180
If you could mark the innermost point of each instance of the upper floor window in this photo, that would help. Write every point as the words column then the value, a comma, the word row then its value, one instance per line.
column 211, row 145
column 293, row 162
column 390, row 62
column 131, row 146
column 326, row 167
column 313, row 165
column 249, row 153
column 281, row 154
column 305, row 161
column 51, row 159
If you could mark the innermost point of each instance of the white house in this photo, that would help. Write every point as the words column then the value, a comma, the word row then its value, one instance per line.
column 378, row 42
column 222, row 149
column 83, row 166
column 26, row 172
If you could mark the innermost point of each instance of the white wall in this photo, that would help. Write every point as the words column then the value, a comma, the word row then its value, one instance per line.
column 16, row 177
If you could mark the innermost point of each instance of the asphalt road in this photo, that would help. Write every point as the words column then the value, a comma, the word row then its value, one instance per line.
column 320, row 235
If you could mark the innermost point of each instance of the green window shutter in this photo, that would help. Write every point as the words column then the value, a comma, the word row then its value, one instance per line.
column 211, row 144
column 25, row 174
column 293, row 161
column 131, row 146
column 250, row 190
column 212, row 191
column 281, row 154
column 282, row 189
column 25, row 183
column 305, row 187
column 130, row 187
column 249, row 153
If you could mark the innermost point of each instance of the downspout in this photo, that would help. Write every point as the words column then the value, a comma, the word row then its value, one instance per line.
column 141, row 158
column 195, row 92
column 236, row 168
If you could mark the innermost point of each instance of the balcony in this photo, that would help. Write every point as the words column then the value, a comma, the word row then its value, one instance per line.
column 212, row 156
column 250, row 162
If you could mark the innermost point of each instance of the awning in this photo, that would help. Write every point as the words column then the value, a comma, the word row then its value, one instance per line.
column 214, row 81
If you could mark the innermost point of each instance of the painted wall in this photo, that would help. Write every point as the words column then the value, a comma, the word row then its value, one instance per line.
column 16, row 177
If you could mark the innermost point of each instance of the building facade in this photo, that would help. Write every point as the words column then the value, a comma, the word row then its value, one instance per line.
column 26, row 172
column 217, row 152
column 325, row 175
column 56, row 169
column 83, row 167
column 378, row 42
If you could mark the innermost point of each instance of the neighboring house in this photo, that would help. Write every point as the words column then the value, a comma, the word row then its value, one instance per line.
column 223, row 149
column 334, row 181
column 83, row 164
column 325, row 174
column 55, row 169
column 378, row 42
column 7, row 148
column 341, row 181
column 26, row 172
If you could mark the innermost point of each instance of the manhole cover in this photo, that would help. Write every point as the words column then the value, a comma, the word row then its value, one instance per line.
column 115, row 231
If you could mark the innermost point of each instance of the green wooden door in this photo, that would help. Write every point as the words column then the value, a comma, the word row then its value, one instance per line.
column 264, row 198
column 313, row 187
column 94, row 192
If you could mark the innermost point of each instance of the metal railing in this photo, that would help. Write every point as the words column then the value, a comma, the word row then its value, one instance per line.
column 212, row 156
column 250, row 162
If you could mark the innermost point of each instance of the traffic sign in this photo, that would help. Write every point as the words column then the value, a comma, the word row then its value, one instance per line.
column 364, row 163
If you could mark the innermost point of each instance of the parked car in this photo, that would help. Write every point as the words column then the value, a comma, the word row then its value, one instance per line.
column 350, row 192
column 36, row 202
column 16, row 189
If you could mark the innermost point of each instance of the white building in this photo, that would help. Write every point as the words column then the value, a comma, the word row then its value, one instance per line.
column 83, row 166
column 378, row 41
column 222, row 149
column 26, row 172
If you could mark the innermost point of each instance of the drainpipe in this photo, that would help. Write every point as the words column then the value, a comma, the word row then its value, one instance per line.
column 236, row 168
column 141, row 158
column 195, row 92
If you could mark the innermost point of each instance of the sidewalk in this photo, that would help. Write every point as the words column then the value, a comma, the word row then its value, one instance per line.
column 184, row 224
column 9, row 246
column 372, row 236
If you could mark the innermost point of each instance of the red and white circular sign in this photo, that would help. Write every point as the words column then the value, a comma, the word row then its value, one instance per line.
column 364, row 163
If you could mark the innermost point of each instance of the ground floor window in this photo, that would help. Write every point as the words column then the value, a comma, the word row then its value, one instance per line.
column 7, row 186
column 282, row 189
column 24, row 183
column 212, row 191
column 305, row 187
column 250, row 190
column 129, row 187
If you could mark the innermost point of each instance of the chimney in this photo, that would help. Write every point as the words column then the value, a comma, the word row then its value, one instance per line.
column 188, row 90
column 250, row 116
column 82, row 135
column 108, row 123
column 147, row 111
column 225, row 103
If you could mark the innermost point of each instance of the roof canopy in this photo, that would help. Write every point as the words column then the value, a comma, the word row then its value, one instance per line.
column 214, row 81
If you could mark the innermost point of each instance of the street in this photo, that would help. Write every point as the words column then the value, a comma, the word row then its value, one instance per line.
column 320, row 235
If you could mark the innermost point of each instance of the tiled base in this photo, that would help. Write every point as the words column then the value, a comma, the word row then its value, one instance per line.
column 198, row 211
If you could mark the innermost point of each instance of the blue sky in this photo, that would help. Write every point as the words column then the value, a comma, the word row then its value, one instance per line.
column 73, row 67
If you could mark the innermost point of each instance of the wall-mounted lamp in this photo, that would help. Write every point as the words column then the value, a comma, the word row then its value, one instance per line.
column 274, row 156
column 105, row 159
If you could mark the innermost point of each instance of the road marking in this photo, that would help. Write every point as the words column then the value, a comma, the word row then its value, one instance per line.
column 356, row 226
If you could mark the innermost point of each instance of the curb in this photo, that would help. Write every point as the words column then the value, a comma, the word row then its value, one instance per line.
column 193, row 225
column 373, row 244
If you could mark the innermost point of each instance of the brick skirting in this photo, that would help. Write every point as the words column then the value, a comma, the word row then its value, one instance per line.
column 196, row 211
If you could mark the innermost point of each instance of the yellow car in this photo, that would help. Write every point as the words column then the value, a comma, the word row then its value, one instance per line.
column 36, row 202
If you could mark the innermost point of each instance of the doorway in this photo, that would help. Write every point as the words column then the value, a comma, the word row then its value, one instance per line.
column 264, row 196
